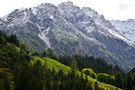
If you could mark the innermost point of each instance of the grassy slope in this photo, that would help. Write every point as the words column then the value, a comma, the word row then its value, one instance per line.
column 57, row 66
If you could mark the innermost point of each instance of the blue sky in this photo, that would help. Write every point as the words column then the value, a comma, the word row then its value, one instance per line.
column 111, row 9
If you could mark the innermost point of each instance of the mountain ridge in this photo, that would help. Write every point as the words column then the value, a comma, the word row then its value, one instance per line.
column 69, row 30
column 126, row 27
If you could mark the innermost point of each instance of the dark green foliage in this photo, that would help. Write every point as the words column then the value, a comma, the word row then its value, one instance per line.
column 49, row 53
column 35, row 54
column 23, row 79
column 122, row 80
column 126, row 81
column 2, row 38
column 106, row 78
column 96, row 64
column 5, row 81
column 16, row 73
column 8, row 39
column 13, row 39
column 89, row 72
column 74, row 65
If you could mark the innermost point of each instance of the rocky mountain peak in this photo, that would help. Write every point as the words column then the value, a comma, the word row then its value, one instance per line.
column 68, row 29
column 67, row 4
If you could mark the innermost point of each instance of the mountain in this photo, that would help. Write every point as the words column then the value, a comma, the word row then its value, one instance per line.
column 132, row 71
column 24, row 70
column 127, row 28
column 68, row 30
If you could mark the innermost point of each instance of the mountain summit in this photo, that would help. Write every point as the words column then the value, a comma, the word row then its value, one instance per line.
column 68, row 30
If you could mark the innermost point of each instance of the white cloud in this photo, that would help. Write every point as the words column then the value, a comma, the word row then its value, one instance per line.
column 127, row 5
column 111, row 9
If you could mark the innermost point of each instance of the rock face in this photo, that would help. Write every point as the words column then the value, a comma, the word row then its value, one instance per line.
column 68, row 29
column 127, row 28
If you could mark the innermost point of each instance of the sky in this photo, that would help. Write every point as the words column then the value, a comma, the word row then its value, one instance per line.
column 111, row 9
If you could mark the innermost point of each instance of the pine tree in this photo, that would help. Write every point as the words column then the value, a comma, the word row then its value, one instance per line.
column 74, row 65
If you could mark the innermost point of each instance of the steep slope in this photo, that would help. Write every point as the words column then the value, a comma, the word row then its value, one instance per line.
column 68, row 30
column 132, row 71
column 97, row 27
column 127, row 28
column 15, row 60
column 58, row 66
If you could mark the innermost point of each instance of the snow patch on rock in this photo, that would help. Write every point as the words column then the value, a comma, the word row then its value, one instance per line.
column 43, row 36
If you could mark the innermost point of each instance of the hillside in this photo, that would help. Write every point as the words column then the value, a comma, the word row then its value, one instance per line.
column 52, row 64
column 58, row 66
column 19, row 70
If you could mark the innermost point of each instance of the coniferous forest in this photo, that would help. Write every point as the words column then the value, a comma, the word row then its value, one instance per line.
column 24, row 70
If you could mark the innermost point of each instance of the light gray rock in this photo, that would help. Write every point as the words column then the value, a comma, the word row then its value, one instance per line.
column 127, row 28
column 68, row 30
